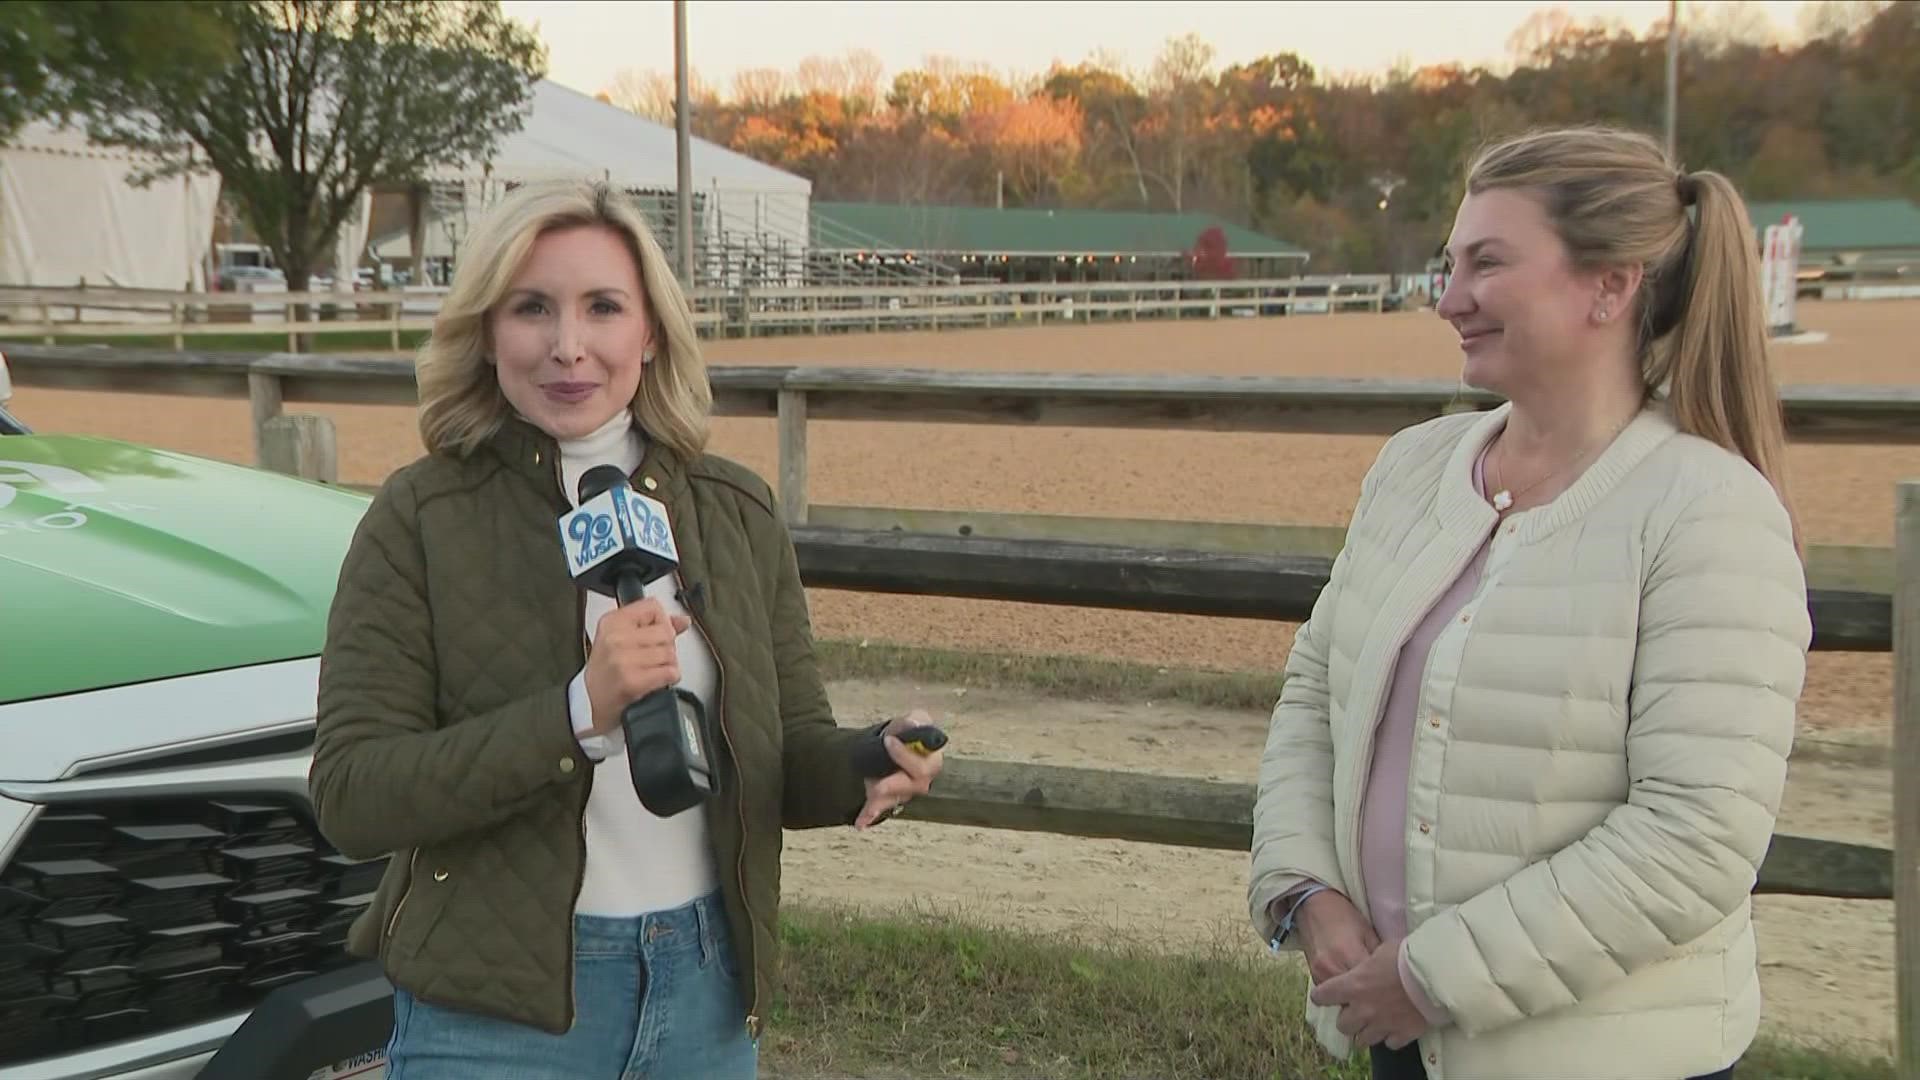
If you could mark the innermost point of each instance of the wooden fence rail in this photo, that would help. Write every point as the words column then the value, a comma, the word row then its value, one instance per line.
column 48, row 315
column 1823, row 414
column 816, row 310
column 1279, row 587
column 1194, row 812
column 1845, row 567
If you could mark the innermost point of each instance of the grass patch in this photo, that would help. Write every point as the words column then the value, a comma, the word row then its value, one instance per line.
column 921, row 995
column 1078, row 677
column 1780, row 1059
column 924, row 995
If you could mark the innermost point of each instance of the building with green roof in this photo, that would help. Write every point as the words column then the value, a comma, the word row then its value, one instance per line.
column 1879, row 234
column 1017, row 245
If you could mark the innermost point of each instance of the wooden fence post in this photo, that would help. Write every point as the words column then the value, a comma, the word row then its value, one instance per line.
column 793, row 456
column 1906, row 774
column 263, row 391
column 302, row 446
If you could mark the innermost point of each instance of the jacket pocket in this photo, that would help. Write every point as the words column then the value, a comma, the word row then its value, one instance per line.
column 422, row 902
column 391, row 918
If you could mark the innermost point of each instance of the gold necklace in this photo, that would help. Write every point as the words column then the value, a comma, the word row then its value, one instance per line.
column 1503, row 497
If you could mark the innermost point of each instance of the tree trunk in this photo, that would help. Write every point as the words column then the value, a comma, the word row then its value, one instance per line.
column 1180, row 167
column 299, row 275
column 299, row 268
column 417, row 196
column 1125, row 131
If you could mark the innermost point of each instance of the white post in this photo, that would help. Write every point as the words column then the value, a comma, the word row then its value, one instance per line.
column 1780, row 274
column 1906, row 776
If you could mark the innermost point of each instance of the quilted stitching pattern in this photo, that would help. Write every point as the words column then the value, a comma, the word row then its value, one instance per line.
column 1611, row 750
column 444, row 737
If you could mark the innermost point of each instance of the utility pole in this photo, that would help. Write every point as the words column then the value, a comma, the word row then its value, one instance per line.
column 1673, row 76
column 683, row 139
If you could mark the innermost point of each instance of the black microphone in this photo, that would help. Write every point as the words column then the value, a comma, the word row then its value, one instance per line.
column 617, row 543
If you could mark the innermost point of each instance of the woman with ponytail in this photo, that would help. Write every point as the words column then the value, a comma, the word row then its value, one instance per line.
column 1531, row 744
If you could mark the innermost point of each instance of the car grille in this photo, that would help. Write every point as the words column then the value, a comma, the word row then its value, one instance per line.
column 129, row 918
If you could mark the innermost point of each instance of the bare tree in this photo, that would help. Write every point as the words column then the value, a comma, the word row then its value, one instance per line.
column 760, row 88
column 824, row 75
column 1180, row 78
column 1125, row 117
column 648, row 93
column 864, row 72
column 651, row 93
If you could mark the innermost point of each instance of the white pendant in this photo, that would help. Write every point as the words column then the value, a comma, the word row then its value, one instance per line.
column 1502, row 500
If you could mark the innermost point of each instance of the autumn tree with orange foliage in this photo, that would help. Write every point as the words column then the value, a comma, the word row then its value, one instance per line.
column 1033, row 142
column 1273, row 145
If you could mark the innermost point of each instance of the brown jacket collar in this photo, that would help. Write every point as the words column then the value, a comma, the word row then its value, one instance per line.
column 534, row 454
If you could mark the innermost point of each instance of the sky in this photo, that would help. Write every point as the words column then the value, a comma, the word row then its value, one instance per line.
column 589, row 42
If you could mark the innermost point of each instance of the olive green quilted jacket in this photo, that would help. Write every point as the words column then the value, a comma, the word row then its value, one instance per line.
column 444, row 738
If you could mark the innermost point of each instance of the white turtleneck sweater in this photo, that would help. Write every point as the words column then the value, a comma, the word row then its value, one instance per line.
column 636, row 862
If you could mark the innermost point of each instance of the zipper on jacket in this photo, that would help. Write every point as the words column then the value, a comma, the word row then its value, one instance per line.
column 740, row 857
column 740, row 804
column 393, row 920
column 580, row 864
column 1402, row 633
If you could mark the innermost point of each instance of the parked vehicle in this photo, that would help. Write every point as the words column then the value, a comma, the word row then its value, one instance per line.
column 161, row 617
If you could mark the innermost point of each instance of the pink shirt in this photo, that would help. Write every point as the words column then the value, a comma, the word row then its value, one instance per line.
column 1383, row 806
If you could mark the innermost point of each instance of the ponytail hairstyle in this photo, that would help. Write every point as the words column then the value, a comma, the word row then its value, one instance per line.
column 1616, row 199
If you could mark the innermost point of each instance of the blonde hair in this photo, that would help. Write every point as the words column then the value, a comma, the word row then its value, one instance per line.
column 1615, row 199
column 461, row 405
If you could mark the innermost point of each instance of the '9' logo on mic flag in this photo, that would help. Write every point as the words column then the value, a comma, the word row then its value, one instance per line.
column 650, row 530
column 592, row 535
column 618, row 519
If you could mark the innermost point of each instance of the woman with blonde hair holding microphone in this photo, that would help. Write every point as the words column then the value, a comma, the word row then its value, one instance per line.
column 538, row 919
column 1532, row 740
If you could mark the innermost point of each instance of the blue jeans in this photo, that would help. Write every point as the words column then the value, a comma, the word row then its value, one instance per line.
column 656, row 996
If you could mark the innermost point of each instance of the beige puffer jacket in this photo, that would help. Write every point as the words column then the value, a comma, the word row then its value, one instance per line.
column 1599, row 753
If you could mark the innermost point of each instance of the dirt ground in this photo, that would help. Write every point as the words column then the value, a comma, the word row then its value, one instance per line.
column 1836, row 982
column 1826, row 968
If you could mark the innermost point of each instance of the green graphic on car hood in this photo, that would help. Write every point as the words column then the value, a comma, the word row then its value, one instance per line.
column 122, row 564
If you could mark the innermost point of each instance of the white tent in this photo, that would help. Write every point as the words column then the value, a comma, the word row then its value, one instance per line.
column 569, row 135
column 68, row 214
